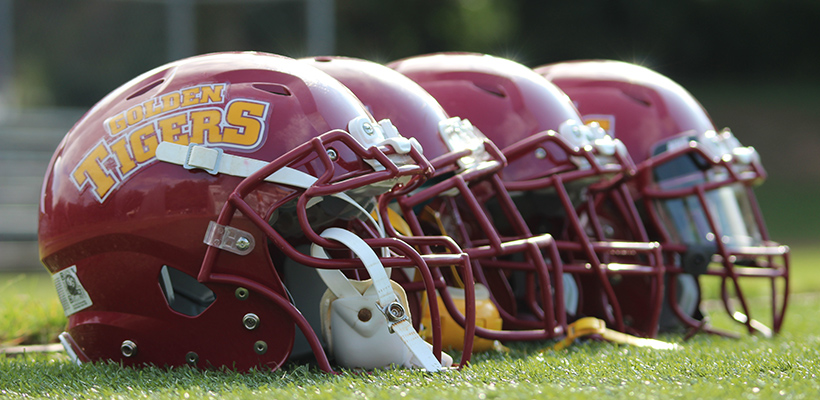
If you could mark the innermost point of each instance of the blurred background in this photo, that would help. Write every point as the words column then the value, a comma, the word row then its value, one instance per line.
column 752, row 63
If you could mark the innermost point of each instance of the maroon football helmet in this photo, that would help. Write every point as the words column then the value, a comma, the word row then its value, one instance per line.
column 555, row 166
column 694, row 185
column 187, row 217
column 453, row 202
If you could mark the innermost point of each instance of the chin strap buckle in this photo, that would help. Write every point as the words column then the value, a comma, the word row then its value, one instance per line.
column 394, row 312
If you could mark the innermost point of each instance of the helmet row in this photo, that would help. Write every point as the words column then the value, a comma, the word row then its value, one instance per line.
column 244, row 209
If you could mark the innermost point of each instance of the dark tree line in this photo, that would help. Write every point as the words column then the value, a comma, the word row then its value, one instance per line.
column 73, row 52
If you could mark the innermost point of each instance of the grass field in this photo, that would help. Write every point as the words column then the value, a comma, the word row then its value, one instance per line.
column 706, row 367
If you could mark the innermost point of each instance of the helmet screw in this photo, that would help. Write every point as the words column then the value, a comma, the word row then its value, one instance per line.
column 192, row 358
column 365, row 315
column 251, row 321
column 243, row 243
column 368, row 128
column 332, row 154
column 540, row 153
column 242, row 293
column 260, row 347
column 128, row 348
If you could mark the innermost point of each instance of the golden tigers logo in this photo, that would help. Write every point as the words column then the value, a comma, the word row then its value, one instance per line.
column 197, row 114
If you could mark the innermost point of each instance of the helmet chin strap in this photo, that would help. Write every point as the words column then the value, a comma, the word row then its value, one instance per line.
column 215, row 161
column 357, row 337
column 350, row 308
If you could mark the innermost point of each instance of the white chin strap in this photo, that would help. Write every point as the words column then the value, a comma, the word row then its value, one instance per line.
column 215, row 161
column 367, row 324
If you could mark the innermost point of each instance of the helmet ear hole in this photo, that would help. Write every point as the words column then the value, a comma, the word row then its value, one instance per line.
column 184, row 293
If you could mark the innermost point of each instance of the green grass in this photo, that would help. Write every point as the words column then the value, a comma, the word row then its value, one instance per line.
column 707, row 366
column 29, row 309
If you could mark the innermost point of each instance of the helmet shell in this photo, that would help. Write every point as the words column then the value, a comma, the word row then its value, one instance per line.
column 507, row 101
column 118, row 221
column 643, row 107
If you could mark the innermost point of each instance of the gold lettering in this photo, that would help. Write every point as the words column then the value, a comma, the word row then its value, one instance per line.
column 160, row 105
column 205, row 123
column 171, row 129
column 189, row 96
column 134, row 114
column 116, row 124
column 247, row 116
column 144, row 143
column 120, row 149
column 170, row 101
column 90, row 171
column 152, row 107
column 211, row 94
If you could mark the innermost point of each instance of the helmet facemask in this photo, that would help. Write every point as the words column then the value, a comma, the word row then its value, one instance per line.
column 693, row 186
column 601, row 252
column 703, row 205
column 556, row 169
column 446, row 215
column 321, row 208
column 455, row 204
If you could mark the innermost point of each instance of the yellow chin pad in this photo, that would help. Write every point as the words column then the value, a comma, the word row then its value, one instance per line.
column 593, row 326
column 399, row 224
column 487, row 316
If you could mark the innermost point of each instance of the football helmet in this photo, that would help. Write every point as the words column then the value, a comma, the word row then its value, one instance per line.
column 694, row 185
column 200, row 213
column 452, row 203
column 555, row 166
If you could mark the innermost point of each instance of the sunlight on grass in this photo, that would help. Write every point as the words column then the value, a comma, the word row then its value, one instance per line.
column 706, row 367
column 30, row 311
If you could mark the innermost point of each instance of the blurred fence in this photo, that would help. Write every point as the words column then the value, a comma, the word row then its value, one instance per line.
column 28, row 138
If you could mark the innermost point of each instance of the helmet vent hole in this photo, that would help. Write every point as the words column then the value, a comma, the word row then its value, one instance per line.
column 638, row 97
column 146, row 89
column 272, row 88
column 491, row 89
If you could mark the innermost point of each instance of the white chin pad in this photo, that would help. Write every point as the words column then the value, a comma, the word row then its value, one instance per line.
column 364, row 344
column 370, row 327
column 357, row 331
